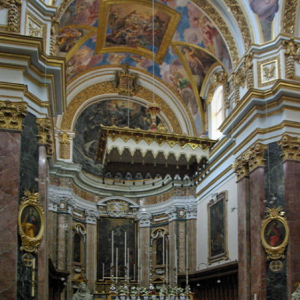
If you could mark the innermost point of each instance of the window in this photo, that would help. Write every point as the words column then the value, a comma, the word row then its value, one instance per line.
column 217, row 115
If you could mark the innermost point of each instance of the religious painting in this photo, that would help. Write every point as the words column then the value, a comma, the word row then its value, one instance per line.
column 109, row 112
column 116, row 248
column 217, row 228
column 137, row 27
column 275, row 233
column 30, row 221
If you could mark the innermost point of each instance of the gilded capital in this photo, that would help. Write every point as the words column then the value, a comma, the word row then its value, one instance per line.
column 64, row 145
column 290, row 147
column 240, row 166
column 12, row 114
column 256, row 158
column 45, row 136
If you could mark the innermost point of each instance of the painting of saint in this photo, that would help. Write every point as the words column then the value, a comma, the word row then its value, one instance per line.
column 134, row 25
column 217, row 230
column 274, row 233
column 30, row 221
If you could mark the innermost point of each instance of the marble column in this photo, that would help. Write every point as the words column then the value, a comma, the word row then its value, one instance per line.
column 172, row 250
column 191, row 230
column 241, row 168
column 10, row 149
column 291, row 167
column 257, row 211
column 43, row 264
column 91, row 255
column 145, row 255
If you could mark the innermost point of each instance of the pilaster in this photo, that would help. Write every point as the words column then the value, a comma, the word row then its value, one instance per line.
column 11, row 116
column 291, row 167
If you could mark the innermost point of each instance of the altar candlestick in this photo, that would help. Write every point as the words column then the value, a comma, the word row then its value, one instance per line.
column 125, row 247
column 116, row 265
column 112, row 248
column 163, row 254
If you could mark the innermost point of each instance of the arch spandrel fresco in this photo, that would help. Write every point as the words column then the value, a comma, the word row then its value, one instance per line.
column 121, row 113
column 194, row 28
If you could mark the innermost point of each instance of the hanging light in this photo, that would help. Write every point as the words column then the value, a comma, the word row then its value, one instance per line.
column 153, row 109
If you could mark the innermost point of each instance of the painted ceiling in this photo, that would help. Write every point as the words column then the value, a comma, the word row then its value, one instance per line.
column 173, row 41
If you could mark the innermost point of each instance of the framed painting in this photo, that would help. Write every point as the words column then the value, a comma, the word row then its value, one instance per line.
column 217, row 228
column 31, row 221
column 275, row 233
column 137, row 27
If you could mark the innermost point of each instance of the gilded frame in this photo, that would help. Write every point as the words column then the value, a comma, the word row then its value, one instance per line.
column 166, row 41
column 275, row 233
column 218, row 229
column 31, row 231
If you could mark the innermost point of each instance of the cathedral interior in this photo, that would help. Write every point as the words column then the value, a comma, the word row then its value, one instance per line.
column 150, row 149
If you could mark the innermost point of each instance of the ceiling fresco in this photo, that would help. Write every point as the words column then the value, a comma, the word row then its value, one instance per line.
column 173, row 36
column 266, row 11
column 110, row 112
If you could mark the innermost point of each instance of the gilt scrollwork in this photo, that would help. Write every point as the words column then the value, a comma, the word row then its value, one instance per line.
column 45, row 134
column 12, row 114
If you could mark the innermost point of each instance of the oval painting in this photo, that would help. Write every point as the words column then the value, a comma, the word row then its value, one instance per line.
column 275, row 233
column 30, row 221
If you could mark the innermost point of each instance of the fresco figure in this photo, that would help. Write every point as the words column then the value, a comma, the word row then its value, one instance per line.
column 265, row 9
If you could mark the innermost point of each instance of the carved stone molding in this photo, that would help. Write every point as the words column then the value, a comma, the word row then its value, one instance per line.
column 289, row 20
column 291, row 54
column 13, row 18
column 45, row 136
column 12, row 114
column 54, row 36
column 249, row 160
column 64, row 145
column 248, row 65
column 290, row 147
column 256, row 158
column 239, row 80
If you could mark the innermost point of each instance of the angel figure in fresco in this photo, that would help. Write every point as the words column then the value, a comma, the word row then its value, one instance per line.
column 67, row 38
column 195, row 64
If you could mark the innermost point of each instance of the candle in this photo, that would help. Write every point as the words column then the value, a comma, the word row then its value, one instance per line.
column 125, row 250
column 127, row 265
column 163, row 254
column 112, row 248
column 187, row 261
column 117, row 265
column 102, row 270
column 255, row 296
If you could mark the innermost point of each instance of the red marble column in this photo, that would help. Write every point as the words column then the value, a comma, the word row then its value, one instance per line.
column 42, row 250
column 258, row 257
column 10, row 148
column 243, row 238
column 292, row 208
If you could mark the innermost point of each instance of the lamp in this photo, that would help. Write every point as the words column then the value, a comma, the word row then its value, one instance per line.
column 153, row 109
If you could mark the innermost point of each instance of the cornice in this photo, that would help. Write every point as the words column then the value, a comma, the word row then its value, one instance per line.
column 267, row 96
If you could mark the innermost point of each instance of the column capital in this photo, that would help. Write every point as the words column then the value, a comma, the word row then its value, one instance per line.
column 290, row 147
column 45, row 135
column 249, row 160
column 256, row 158
column 12, row 114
